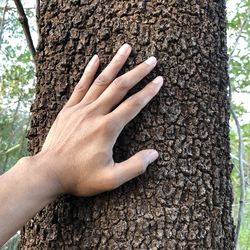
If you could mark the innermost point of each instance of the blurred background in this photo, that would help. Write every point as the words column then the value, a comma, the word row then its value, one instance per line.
column 17, row 88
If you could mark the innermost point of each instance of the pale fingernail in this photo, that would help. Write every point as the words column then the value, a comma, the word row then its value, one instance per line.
column 151, row 60
column 124, row 49
column 151, row 156
column 158, row 80
column 93, row 60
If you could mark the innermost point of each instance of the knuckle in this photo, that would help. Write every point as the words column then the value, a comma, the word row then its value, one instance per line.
column 141, row 168
column 139, row 69
column 102, row 80
column 151, row 90
column 120, row 83
column 119, row 58
column 87, row 112
column 108, row 124
column 63, row 111
column 136, row 101
column 143, row 69
column 111, row 180
column 80, row 87
column 117, row 124
column 88, row 73
column 148, row 66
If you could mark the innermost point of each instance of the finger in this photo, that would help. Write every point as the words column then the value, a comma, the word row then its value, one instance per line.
column 87, row 78
column 120, row 173
column 127, row 110
column 108, row 74
column 121, row 85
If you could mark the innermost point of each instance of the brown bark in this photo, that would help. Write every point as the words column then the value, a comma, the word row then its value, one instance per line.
column 184, row 200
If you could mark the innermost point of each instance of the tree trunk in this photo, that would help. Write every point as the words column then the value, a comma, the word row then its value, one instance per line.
column 184, row 200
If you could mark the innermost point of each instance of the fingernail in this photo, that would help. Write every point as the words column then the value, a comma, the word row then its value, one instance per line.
column 158, row 80
column 93, row 60
column 152, row 156
column 124, row 49
column 151, row 60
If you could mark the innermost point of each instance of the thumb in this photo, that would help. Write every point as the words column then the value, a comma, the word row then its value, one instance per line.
column 134, row 166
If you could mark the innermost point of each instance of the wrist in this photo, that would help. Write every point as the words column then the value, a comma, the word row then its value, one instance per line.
column 42, row 169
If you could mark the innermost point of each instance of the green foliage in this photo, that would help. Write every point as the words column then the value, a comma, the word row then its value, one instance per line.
column 239, row 69
column 12, row 243
column 16, row 89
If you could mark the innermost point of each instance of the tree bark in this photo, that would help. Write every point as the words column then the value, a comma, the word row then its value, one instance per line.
column 184, row 200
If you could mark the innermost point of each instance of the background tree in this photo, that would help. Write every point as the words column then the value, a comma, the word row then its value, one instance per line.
column 16, row 87
column 185, row 200
column 239, row 68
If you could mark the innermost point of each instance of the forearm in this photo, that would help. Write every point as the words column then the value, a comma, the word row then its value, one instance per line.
column 24, row 190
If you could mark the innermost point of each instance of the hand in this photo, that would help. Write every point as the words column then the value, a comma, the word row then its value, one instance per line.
column 80, row 142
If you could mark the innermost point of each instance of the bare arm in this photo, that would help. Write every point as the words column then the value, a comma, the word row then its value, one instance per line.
column 76, row 157
column 24, row 190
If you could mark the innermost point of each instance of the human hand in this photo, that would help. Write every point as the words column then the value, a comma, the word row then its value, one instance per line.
column 78, row 147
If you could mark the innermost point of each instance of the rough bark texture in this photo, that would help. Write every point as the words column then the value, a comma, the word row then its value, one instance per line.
column 184, row 200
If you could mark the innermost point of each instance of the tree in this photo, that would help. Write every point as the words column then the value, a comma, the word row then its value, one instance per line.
column 182, row 202
column 16, row 86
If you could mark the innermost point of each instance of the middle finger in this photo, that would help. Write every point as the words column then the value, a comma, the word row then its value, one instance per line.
column 108, row 74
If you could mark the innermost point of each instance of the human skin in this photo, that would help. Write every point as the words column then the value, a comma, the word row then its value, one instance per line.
column 77, row 155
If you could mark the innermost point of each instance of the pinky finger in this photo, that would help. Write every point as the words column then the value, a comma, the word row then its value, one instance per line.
column 83, row 86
